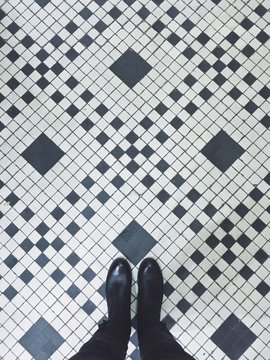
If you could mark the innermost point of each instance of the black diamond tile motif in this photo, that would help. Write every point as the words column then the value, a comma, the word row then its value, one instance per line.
column 222, row 151
column 233, row 337
column 134, row 242
column 41, row 340
column 42, row 154
column 130, row 68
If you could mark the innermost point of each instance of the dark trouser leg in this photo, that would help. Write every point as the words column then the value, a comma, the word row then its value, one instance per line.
column 157, row 343
column 108, row 343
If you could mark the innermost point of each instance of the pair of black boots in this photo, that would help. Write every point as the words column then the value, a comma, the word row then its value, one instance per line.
column 150, row 294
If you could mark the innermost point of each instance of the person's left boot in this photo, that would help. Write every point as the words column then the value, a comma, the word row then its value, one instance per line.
column 118, row 294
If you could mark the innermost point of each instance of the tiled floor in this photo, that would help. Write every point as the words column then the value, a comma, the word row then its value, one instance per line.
column 135, row 128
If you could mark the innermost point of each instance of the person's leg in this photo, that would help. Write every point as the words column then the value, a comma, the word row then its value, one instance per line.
column 155, row 341
column 110, row 341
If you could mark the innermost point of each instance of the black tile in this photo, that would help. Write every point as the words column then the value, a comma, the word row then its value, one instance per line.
column 27, row 214
column 10, row 293
column 187, row 25
column 158, row 26
column 263, row 288
column 72, row 54
column 130, row 67
column 13, row 83
column 132, row 166
column 26, row 276
column 265, row 92
column 87, row 182
column 57, row 244
column 234, row 65
column 115, row 13
column 118, row 181
column 87, row 124
column 214, row 272
column 228, row 241
column 42, row 229
column 2, row 126
column 204, row 66
column 263, row 37
column 218, row 52
column 102, row 110
column 72, row 82
column 57, row 68
column 256, row 194
column 173, row 39
column 175, row 95
column 100, row 26
column 42, row 3
column 88, row 274
column 222, row 151
column 13, row 111
column 146, row 123
column 260, row 10
column 103, row 197
column 212, row 241
column 199, row 289
column 191, row 108
column 42, row 260
column 147, row 151
column 261, row 256
column 148, row 181
column 267, row 178
column 182, row 272
column 179, row 211
column 71, row 27
column 86, row 40
column 197, row 257
column 89, row 307
column 266, row 121
column 246, row 23
column 73, row 259
column 43, row 83
column 248, row 51
column 232, row 37
column 134, row 242
column 162, row 137
column 42, row 244
column 203, row 38
column 177, row 180
column 73, row 197
column 233, row 337
column 190, row 80
column 229, row 257
column 56, row 41
column 196, row 226
column 13, row 56
column 11, row 261
column 172, row 12
column 227, row 225
column 57, row 97
column 102, row 167
column 163, row 196
column 219, row 79
column 72, row 110
column 87, row 96
column 73, row 291
column 205, row 94
column 42, row 154
column 102, row 138
column 85, row 13
column 193, row 195
column 11, row 230
column 26, row 245
column 241, row 210
column 132, row 152
column 57, row 275
column 176, row 122
column 12, row 199
column 258, row 225
column 210, row 210
column 235, row 93
column 42, row 69
column 42, row 55
column 251, row 107
column 246, row 272
column 73, row 228
column 244, row 240
column 28, row 97
column 117, row 123
column 117, row 152
column 88, row 212
column 132, row 137
column 161, row 108
column 189, row 53
column 249, row 78
column 183, row 306
column 168, row 289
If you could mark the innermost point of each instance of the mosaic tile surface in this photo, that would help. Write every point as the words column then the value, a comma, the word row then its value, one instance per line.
column 135, row 129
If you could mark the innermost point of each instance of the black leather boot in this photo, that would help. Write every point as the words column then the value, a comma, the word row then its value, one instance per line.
column 150, row 294
column 118, row 294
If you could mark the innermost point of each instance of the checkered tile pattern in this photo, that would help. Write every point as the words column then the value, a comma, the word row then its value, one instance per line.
column 135, row 129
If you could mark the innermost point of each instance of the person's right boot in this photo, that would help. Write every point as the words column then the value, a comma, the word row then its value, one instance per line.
column 150, row 294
